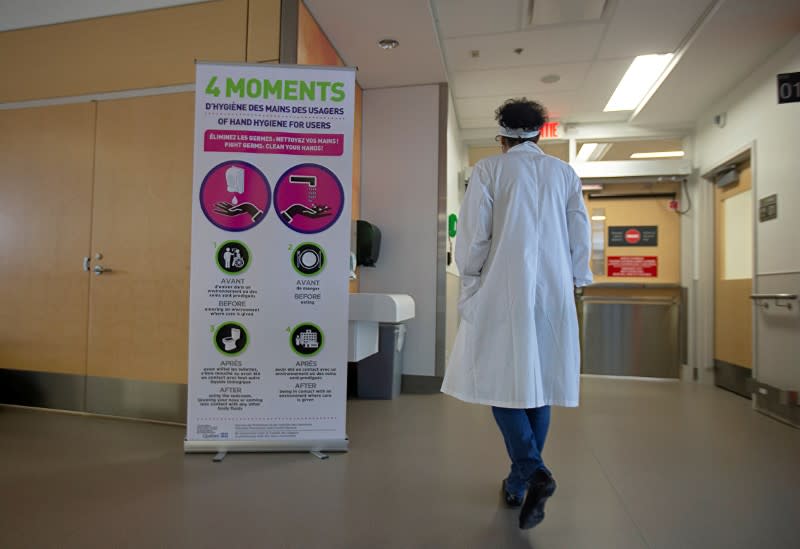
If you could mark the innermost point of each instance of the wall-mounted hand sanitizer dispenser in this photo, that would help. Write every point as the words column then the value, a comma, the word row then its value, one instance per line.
column 368, row 243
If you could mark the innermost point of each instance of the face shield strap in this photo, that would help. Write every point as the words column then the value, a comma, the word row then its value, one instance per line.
column 516, row 133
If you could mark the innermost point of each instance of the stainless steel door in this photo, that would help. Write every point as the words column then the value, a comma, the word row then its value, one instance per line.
column 631, row 336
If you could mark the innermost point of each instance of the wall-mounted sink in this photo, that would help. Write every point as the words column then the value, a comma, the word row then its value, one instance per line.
column 367, row 311
column 381, row 307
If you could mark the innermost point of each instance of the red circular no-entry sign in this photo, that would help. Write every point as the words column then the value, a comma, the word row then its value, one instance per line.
column 632, row 236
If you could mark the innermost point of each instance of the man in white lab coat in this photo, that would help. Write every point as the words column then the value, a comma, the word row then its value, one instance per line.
column 523, row 246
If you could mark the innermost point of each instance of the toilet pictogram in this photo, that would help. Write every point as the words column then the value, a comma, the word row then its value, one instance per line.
column 231, row 338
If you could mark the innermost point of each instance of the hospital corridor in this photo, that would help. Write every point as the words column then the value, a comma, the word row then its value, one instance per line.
column 422, row 274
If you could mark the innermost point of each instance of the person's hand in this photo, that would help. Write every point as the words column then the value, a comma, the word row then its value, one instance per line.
column 232, row 210
column 313, row 212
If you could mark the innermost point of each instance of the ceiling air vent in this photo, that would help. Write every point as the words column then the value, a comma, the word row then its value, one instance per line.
column 560, row 12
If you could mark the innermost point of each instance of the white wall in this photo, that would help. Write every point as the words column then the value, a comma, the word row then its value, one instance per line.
column 754, row 117
column 457, row 161
column 399, row 193
column 753, row 114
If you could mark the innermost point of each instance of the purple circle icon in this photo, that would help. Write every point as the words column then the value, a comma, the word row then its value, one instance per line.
column 235, row 196
column 309, row 198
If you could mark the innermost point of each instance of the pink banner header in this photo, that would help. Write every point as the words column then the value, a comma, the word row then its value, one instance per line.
column 309, row 144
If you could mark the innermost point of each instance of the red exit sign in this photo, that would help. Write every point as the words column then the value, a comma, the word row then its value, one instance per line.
column 549, row 130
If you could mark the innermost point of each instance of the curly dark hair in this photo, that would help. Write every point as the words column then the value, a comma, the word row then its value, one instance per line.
column 521, row 114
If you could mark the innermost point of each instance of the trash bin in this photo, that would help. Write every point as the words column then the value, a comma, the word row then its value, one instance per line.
column 379, row 375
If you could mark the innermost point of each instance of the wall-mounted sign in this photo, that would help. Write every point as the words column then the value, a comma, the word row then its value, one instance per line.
column 633, row 266
column 768, row 208
column 633, row 236
column 789, row 87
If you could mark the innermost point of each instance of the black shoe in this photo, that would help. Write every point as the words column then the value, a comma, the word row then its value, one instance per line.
column 541, row 487
column 510, row 499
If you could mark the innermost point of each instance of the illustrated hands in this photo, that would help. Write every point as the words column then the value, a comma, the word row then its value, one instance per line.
column 306, row 211
column 232, row 210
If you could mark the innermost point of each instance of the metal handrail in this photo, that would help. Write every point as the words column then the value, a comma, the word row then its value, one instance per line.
column 779, row 299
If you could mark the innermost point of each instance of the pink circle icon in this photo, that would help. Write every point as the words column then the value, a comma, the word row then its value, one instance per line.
column 235, row 196
column 309, row 198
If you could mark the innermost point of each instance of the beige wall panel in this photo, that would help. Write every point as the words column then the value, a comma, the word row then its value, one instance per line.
column 622, row 150
column 138, row 50
column 263, row 31
column 558, row 149
column 733, row 323
column 733, row 309
column 142, row 222
column 313, row 47
column 479, row 153
column 45, row 214
column 643, row 211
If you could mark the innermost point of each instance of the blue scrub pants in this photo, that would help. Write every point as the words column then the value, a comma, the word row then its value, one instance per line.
column 524, row 432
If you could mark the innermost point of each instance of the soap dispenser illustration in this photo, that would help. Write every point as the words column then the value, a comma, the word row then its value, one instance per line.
column 235, row 178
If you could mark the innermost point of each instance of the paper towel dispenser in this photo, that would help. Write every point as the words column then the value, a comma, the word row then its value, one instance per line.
column 368, row 243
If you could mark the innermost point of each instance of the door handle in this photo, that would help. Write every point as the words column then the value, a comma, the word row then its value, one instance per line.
column 99, row 269
column 86, row 261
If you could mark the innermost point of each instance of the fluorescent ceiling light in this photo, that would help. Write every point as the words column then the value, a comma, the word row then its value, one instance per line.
column 591, row 187
column 637, row 81
column 598, row 218
column 591, row 152
column 662, row 154
column 586, row 151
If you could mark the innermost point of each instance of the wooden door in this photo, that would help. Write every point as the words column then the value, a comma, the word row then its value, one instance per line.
column 733, row 321
column 46, row 161
column 138, row 326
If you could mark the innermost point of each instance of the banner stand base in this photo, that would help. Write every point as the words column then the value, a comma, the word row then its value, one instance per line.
column 222, row 447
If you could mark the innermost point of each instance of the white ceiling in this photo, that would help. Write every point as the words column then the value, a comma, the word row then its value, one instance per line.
column 355, row 26
column 590, row 57
column 719, row 41
column 732, row 44
column 724, row 40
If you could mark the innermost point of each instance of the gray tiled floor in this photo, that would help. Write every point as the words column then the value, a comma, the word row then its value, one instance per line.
column 639, row 464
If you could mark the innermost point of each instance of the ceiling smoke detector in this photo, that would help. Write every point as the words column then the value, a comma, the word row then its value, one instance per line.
column 550, row 78
column 388, row 43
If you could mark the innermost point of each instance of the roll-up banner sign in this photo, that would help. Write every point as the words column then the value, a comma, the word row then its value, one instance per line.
column 270, row 258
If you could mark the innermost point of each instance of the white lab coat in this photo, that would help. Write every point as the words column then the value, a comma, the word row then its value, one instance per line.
column 523, row 245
